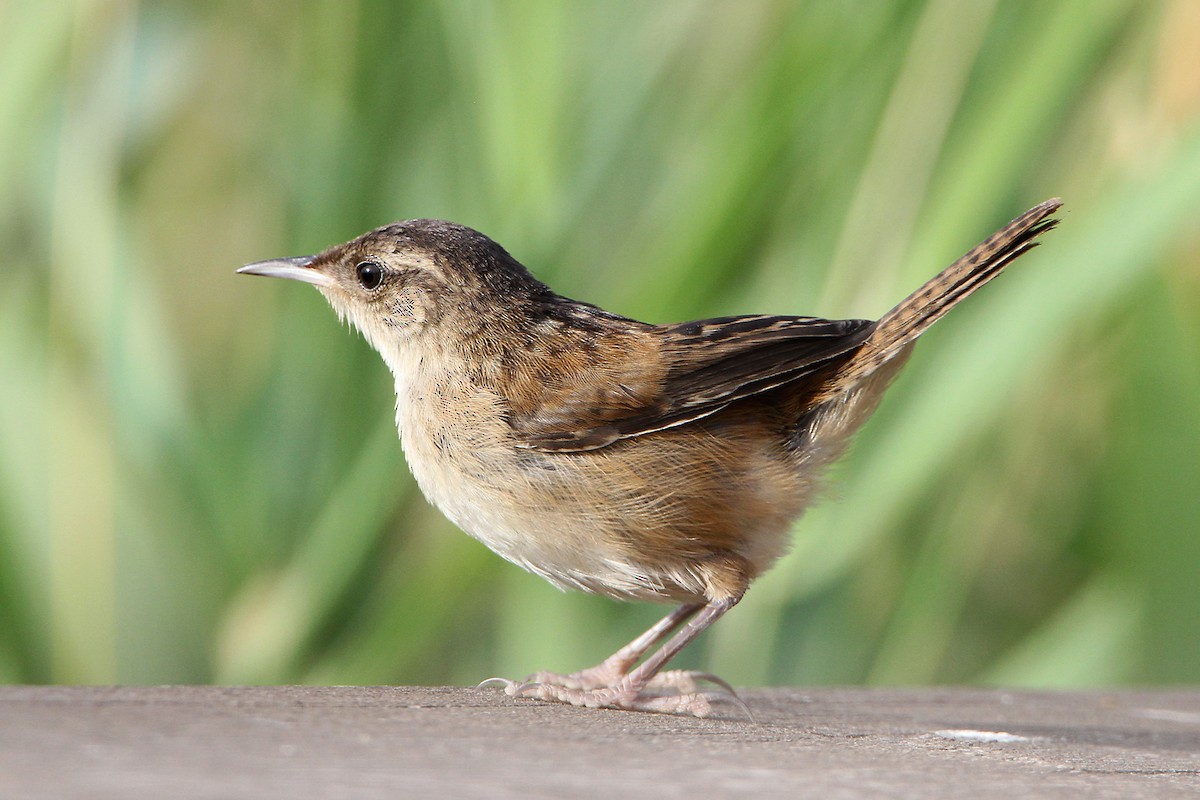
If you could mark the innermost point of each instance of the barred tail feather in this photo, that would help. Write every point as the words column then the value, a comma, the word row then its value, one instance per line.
column 913, row 316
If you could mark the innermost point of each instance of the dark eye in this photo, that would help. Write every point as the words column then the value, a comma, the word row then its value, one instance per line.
column 370, row 274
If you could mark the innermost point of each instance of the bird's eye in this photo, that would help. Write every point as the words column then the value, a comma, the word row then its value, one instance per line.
column 370, row 274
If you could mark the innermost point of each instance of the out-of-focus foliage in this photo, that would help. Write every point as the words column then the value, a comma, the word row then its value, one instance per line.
column 199, row 477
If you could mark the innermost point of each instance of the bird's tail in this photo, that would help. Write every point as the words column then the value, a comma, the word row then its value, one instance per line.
column 913, row 316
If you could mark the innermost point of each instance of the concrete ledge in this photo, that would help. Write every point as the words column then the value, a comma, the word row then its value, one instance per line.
column 381, row 742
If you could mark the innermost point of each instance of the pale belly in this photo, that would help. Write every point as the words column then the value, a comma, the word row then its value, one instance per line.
column 538, row 525
column 603, row 521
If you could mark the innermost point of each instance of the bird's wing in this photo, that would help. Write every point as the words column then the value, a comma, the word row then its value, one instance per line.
column 704, row 366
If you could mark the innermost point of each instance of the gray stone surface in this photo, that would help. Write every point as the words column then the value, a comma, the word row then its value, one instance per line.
column 317, row 742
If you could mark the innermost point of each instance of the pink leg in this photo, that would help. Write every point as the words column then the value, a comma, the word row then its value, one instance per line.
column 612, row 684
column 617, row 666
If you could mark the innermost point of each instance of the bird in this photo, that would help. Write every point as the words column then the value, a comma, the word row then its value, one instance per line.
column 640, row 461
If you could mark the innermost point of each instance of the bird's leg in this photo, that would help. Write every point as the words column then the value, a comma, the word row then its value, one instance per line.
column 628, row 690
column 612, row 669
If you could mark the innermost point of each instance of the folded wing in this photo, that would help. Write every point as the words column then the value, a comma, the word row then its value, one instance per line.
column 706, row 365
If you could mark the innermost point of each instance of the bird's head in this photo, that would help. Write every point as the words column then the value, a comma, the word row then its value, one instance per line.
column 400, row 281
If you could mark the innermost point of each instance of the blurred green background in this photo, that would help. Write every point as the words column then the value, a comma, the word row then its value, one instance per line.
column 199, row 476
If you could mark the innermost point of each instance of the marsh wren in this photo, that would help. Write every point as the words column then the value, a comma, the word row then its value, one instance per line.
column 639, row 461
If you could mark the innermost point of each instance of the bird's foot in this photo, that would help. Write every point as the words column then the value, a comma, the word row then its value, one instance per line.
column 625, row 698
column 683, row 681
column 670, row 692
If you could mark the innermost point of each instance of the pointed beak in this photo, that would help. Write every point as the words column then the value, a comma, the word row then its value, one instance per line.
column 298, row 268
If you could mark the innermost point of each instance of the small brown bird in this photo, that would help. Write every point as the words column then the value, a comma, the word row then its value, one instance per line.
column 638, row 461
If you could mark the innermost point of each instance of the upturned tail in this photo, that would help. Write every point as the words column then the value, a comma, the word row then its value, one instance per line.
column 903, row 324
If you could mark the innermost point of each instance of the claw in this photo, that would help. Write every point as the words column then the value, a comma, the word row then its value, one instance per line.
column 732, row 696
column 685, row 680
column 521, row 689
